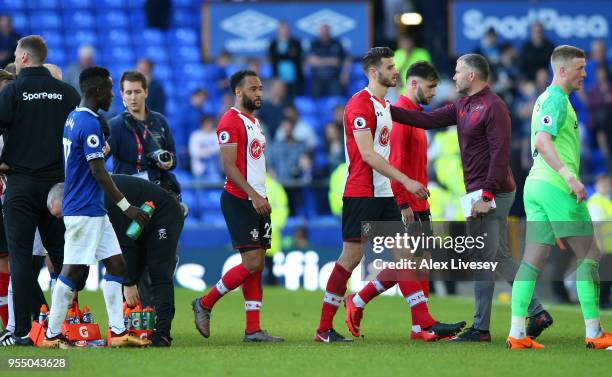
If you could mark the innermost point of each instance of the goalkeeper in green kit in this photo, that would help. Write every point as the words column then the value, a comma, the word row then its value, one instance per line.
column 554, row 203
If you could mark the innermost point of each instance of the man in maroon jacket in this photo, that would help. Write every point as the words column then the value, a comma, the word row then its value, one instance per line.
column 483, row 126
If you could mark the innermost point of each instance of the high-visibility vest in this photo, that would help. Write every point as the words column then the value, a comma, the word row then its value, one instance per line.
column 277, row 196
column 447, row 165
column 403, row 62
column 337, row 181
column 602, row 205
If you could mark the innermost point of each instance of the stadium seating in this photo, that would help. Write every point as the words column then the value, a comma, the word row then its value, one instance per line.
column 118, row 31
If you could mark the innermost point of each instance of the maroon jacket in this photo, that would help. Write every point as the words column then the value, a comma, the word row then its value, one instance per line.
column 483, row 126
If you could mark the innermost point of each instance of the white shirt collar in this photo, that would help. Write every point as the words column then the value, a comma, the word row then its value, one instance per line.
column 87, row 109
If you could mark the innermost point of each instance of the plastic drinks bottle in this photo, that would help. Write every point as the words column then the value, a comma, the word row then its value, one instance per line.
column 134, row 230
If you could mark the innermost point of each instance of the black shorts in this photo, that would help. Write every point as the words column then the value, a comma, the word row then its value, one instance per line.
column 356, row 210
column 422, row 224
column 248, row 230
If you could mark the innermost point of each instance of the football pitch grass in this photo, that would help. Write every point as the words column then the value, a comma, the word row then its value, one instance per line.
column 385, row 350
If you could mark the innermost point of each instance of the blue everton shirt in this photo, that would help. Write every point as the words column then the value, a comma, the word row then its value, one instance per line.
column 83, row 141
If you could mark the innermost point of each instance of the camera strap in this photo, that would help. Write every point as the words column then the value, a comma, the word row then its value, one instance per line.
column 129, row 120
column 140, row 147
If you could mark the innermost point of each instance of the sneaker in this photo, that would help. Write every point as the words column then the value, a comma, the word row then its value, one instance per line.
column 128, row 339
column 5, row 334
column 353, row 315
column 538, row 323
column 472, row 335
column 602, row 342
column 9, row 339
column 57, row 341
column 201, row 318
column 438, row 331
column 158, row 340
column 261, row 336
column 330, row 336
column 522, row 343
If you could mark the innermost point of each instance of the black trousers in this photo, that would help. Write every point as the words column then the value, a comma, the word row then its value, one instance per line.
column 25, row 208
column 156, row 251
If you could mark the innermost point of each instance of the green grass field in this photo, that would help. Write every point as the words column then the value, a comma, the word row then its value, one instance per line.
column 385, row 349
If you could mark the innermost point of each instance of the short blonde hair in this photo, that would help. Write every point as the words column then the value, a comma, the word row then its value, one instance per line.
column 564, row 54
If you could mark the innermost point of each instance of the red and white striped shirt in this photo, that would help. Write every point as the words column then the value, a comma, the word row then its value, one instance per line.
column 365, row 113
column 243, row 131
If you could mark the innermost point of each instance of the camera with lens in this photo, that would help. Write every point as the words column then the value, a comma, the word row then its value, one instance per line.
column 160, row 156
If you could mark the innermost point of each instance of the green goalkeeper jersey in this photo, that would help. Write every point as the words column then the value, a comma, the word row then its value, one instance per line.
column 553, row 113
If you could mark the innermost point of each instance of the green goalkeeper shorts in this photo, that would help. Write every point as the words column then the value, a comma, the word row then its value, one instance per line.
column 553, row 213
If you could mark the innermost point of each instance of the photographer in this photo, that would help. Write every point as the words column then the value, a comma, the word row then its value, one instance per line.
column 140, row 139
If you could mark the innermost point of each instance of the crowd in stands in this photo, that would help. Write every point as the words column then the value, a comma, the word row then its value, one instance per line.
column 305, row 90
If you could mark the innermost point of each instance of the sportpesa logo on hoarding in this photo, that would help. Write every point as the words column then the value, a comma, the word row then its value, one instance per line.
column 565, row 22
column 475, row 23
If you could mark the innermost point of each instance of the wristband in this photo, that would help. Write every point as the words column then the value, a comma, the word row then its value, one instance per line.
column 404, row 206
column 487, row 196
column 123, row 204
column 565, row 173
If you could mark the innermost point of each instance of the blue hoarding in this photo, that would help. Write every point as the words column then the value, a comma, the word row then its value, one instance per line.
column 569, row 22
column 246, row 29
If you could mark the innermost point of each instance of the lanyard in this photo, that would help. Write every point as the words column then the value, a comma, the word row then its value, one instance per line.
column 139, row 146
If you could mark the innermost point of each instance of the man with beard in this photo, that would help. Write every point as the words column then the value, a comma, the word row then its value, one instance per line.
column 483, row 127
column 244, row 205
column 408, row 155
column 367, row 195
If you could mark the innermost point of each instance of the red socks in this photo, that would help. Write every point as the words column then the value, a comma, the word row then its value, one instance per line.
column 423, row 277
column 416, row 299
column 384, row 280
column 253, row 293
column 232, row 279
column 336, row 287
column 4, row 283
